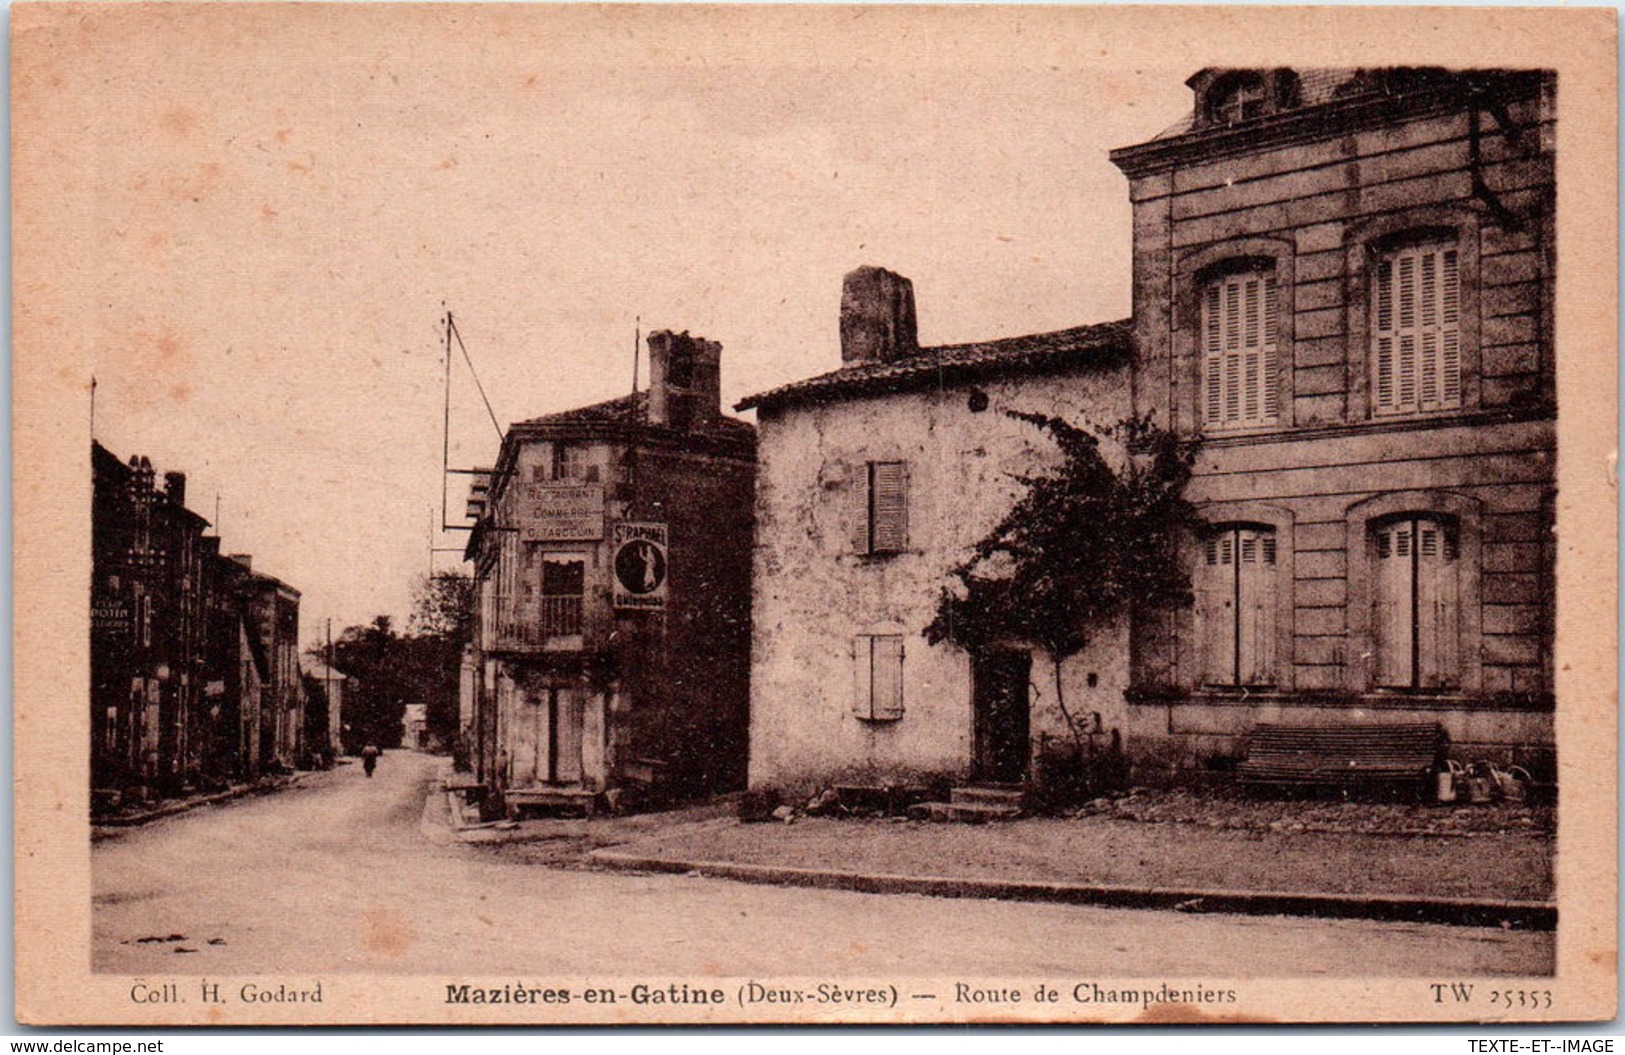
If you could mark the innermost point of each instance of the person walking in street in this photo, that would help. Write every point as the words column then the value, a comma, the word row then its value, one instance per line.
column 369, row 759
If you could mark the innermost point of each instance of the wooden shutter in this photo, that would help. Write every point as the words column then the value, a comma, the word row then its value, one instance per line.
column 1240, row 320
column 1416, row 331
column 1393, row 604
column 1255, row 580
column 1438, row 605
column 863, row 676
column 1215, row 610
column 878, row 676
column 860, row 511
column 888, row 507
column 886, row 666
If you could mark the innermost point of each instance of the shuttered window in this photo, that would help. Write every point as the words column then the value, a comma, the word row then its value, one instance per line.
column 570, row 463
column 1235, row 607
column 879, row 663
column 1239, row 324
column 885, row 516
column 1418, row 603
column 1416, row 330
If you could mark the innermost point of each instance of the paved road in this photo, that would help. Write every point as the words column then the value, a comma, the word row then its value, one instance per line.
column 340, row 875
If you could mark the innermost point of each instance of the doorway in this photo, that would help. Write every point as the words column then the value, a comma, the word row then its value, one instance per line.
column 564, row 736
column 999, row 679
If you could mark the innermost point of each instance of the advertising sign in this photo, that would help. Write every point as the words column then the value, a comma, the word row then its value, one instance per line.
column 561, row 512
column 110, row 615
column 640, row 566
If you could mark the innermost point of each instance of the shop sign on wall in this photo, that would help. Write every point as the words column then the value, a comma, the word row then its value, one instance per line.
column 640, row 566
column 561, row 512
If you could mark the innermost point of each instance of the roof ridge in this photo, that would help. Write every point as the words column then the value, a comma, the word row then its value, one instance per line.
column 1003, row 353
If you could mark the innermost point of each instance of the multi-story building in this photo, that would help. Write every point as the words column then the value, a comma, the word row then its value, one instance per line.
column 270, row 627
column 147, row 630
column 1343, row 284
column 1342, row 291
column 612, row 567
column 190, row 651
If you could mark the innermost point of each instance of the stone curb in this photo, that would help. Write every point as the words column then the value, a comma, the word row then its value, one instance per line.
column 186, row 805
column 1461, row 912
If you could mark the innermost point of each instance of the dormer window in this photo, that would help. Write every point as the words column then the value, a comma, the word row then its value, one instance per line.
column 1226, row 98
column 1239, row 97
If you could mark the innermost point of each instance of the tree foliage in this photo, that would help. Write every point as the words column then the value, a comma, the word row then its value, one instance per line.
column 388, row 670
column 1084, row 542
column 443, row 606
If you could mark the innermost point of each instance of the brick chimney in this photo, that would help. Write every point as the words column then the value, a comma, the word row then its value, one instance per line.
column 877, row 317
column 175, row 487
column 685, row 380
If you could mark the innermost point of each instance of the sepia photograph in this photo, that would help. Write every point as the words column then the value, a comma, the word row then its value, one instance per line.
column 574, row 514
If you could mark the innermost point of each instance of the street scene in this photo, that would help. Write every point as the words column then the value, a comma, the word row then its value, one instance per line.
column 346, row 874
column 708, row 520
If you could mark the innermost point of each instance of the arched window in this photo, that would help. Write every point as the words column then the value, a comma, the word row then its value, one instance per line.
column 1240, row 320
column 1417, row 599
column 1235, row 606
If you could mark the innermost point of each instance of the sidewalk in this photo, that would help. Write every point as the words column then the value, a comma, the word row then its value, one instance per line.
column 130, row 818
column 1473, row 865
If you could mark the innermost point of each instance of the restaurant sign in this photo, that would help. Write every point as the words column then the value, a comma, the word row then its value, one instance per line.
column 561, row 512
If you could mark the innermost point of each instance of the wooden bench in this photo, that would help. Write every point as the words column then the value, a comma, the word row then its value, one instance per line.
column 1342, row 756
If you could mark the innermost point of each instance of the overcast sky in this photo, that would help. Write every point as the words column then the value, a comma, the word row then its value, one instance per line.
column 260, row 216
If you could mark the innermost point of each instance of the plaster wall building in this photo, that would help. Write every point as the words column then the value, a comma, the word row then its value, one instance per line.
column 325, row 690
column 874, row 481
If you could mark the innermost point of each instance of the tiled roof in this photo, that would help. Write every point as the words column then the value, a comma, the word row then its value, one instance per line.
column 631, row 409
column 1316, row 85
column 1099, row 344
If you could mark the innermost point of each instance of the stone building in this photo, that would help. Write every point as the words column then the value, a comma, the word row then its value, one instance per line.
column 1342, row 290
column 1343, row 284
column 612, row 567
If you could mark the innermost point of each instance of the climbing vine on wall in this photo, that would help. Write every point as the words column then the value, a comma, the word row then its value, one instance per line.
column 1083, row 543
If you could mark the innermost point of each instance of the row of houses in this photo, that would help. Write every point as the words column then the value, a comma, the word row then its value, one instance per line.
column 1342, row 298
column 196, row 678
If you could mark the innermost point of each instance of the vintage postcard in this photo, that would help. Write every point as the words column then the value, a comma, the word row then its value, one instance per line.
column 813, row 514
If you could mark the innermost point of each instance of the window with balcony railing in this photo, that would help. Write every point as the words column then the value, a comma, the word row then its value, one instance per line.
column 563, row 582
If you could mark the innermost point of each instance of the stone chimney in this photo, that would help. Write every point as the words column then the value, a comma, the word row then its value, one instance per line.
column 175, row 487
column 877, row 317
column 685, row 380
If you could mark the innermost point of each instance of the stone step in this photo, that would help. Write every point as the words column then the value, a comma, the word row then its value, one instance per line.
column 963, row 812
column 988, row 795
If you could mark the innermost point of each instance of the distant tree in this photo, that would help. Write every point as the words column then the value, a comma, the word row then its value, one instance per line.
column 443, row 606
column 388, row 670
column 1084, row 542
column 377, row 694
column 442, row 624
